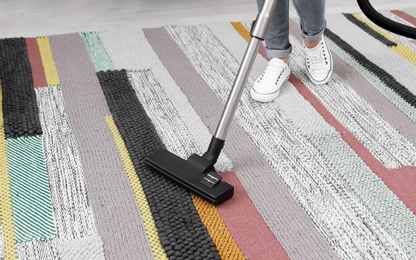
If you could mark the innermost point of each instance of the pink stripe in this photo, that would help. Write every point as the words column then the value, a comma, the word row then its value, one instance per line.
column 35, row 60
column 404, row 16
column 246, row 225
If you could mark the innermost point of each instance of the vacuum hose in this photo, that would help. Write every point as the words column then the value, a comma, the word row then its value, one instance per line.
column 384, row 22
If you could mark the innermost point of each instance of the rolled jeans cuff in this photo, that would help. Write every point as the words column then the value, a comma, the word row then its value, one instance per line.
column 315, row 36
column 278, row 53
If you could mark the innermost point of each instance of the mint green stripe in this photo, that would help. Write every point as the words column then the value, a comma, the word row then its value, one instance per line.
column 392, row 214
column 97, row 52
column 31, row 199
column 410, row 11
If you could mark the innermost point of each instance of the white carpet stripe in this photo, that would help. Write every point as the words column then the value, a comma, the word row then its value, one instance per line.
column 37, row 249
column 290, row 101
column 87, row 248
column 395, row 217
column 72, row 211
column 161, row 110
column 385, row 142
column 338, row 214
column 389, row 61
column 196, row 139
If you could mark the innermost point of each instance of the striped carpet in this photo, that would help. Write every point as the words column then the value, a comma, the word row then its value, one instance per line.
column 323, row 172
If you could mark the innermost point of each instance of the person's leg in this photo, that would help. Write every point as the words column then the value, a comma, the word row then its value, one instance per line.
column 312, row 19
column 278, row 48
column 318, row 58
column 277, row 36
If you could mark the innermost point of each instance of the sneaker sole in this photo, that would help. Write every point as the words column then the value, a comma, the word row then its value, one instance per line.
column 264, row 98
column 323, row 82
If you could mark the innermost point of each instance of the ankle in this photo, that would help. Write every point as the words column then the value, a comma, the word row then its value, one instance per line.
column 286, row 60
column 311, row 44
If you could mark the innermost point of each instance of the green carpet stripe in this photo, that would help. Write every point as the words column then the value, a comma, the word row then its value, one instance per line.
column 392, row 214
column 410, row 11
column 96, row 51
column 32, row 205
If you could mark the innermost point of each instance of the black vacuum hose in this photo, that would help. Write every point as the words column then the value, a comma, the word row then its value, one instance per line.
column 384, row 22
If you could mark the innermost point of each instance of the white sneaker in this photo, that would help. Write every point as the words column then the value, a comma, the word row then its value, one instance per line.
column 318, row 63
column 267, row 87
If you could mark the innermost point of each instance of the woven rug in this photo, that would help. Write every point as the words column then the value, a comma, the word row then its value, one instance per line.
column 322, row 172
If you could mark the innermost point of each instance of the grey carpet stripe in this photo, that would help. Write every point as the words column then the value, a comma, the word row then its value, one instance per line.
column 117, row 215
column 370, row 31
column 291, row 155
column 72, row 211
column 175, row 216
column 286, row 219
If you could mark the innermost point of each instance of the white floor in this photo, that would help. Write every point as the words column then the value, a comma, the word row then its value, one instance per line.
column 46, row 17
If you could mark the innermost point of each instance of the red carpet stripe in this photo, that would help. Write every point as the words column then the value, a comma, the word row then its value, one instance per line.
column 404, row 16
column 241, row 205
column 35, row 60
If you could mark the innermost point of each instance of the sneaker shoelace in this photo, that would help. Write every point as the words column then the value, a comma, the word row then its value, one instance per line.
column 269, row 73
column 317, row 58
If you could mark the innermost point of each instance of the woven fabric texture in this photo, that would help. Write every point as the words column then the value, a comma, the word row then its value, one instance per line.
column 322, row 172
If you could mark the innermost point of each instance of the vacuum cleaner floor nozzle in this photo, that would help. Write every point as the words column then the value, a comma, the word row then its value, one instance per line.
column 194, row 174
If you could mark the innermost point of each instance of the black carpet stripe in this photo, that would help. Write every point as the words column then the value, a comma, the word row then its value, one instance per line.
column 20, row 109
column 181, row 231
column 385, row 77
column 369, row 30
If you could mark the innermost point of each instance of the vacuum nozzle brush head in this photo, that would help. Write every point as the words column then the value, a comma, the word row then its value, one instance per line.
column 196, row 174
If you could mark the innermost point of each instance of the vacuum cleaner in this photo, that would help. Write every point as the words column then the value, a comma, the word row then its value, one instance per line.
column 385, row 22
column 197, row 173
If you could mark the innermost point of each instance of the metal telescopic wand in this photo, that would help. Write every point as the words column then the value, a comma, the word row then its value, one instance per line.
column 258, row 32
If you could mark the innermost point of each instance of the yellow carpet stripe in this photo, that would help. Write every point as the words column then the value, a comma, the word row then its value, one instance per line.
column 149, row 223
column 400, row 49
column 48, row 62
column 222, row 238
column 242, row 30
column 6, row 212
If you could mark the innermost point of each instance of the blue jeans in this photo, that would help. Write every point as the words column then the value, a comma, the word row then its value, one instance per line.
column 312, row 24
